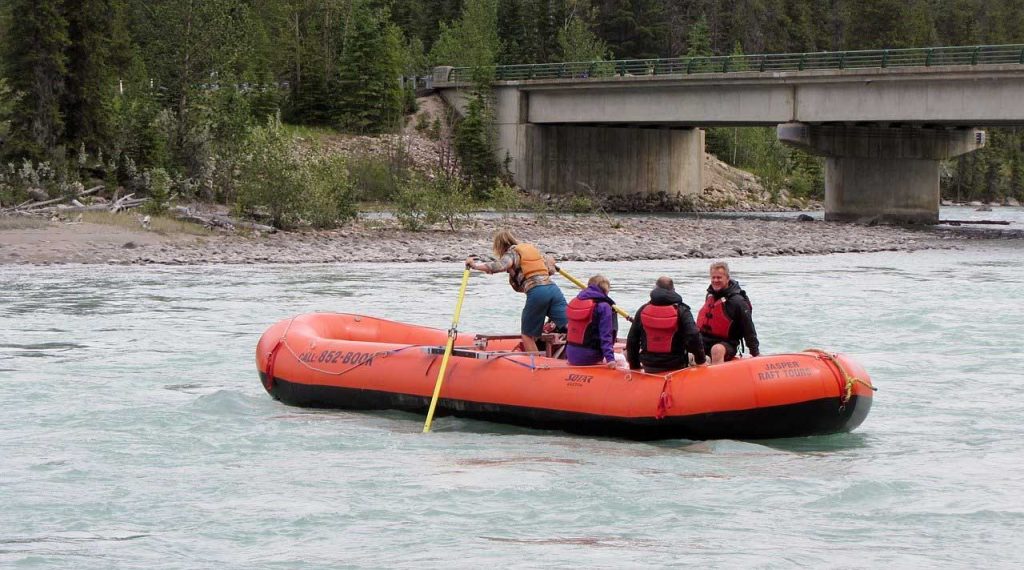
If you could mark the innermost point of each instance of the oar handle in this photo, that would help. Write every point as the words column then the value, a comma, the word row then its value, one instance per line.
column 452, row 333
column 580, row 284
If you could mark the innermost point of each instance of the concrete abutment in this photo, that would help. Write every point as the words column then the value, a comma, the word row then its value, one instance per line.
column 603, row 161
column 612, row 161
column 886, row 173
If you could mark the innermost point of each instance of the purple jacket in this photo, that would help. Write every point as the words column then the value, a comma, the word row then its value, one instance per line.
column 606, row 329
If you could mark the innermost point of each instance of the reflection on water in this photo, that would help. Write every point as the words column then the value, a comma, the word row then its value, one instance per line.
column 136, row 433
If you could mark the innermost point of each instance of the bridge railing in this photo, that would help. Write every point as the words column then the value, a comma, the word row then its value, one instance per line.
column 879, row 58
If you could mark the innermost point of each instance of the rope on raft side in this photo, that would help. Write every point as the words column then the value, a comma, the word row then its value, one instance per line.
column 283, row 341
column 850, row 380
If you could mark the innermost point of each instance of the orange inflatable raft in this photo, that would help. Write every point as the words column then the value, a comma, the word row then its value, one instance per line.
column 357, row 362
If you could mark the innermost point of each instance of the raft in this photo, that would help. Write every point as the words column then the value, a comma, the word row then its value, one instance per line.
column 355, row 362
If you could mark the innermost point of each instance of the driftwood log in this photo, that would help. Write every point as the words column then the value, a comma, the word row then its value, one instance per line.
column 30, row 205
column 127, row 202
column 216, row 221
column 988, row 222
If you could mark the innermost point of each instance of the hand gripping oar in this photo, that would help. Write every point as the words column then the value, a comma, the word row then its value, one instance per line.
column 580, row 284
column 452, row 333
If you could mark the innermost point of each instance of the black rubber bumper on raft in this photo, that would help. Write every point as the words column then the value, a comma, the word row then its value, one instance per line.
column 816, row 417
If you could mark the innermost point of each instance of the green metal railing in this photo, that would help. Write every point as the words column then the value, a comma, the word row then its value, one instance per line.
column 878, row 58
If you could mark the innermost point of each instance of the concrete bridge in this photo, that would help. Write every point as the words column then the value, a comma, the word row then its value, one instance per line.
column 884, row 119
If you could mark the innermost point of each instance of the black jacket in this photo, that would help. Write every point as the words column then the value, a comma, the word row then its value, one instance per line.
column 685, row 339
column 737, row 308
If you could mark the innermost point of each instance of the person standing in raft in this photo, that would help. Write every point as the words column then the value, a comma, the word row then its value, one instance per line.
column 662, row 332
column 529, row 272
column 725, row 319
column 593, row 325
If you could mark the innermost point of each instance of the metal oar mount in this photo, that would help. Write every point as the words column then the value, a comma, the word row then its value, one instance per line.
column 452, row 333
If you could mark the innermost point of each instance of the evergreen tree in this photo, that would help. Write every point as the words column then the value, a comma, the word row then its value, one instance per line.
column 513, row 30
column 370, row 97
column 698, row 41
column 634, row 28
column 6, row 108
column 957, row 22
column 90, row 85
column 473, row 41
column 36, row 68
column 877, row 24
column 422, row 18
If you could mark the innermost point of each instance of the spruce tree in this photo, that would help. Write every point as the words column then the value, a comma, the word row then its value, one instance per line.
column 370, row 97
column 6, row 108
column 35, row 44
column 634, row 28
column 473, row 41
column 698, row 40
column 90, row 81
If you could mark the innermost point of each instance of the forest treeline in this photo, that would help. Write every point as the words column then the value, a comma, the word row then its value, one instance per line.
column 191, row 89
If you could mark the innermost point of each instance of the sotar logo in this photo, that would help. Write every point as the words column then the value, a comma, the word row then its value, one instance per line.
column 579, row 379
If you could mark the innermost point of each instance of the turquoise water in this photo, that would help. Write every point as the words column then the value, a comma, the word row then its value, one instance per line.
column 134, row 432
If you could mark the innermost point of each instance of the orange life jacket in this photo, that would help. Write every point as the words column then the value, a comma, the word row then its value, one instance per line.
column 531, row 261
column 660, row 324
column 712, row 320
column 583, row 328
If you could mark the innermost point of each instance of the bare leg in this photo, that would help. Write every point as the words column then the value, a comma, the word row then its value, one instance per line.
column 529, row 344
column 718, row 353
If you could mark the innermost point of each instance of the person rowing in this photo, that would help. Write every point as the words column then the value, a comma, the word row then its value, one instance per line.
column 529, row 272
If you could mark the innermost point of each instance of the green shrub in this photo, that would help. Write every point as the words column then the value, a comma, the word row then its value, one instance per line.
column 373, row 179
column 412, row 206
column 277, row 183
column 424, row 202
column 450, row 201
column 581, row 205
column 327, row 196
column 505, row 198
column 422, row 122
column 159, row 191
column 434, row 132
column 269, row 182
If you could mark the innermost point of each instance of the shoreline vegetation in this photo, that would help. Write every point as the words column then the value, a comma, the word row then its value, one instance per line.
column 290, row 115
column 120, row 239
column 418, row 211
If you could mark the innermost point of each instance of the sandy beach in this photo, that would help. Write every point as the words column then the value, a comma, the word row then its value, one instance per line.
column 571, row 238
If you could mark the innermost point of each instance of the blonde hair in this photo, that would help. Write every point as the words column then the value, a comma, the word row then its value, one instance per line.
column 720, row 265
column 600, row 281
column 503, row 240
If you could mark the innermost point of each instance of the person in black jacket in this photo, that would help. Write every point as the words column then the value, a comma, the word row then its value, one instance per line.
column 725, row 318
column 662, row 332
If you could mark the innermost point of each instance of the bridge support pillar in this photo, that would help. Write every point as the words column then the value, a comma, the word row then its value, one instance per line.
column 887, row 173
column 561, row 159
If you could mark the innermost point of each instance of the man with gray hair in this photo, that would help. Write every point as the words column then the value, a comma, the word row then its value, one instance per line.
column 725, row 319
column 662, row 332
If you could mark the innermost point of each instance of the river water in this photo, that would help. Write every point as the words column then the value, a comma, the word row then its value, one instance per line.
column 134, row 432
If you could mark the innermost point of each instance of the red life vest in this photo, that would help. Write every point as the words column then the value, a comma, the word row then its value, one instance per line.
column 660, row 324
column 582, row 326
column 712, row 320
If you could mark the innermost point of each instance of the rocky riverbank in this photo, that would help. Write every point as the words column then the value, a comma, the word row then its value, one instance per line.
column 575, row 238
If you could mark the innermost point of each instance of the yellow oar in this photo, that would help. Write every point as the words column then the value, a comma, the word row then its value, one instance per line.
column 452, row 333
column 580, row 284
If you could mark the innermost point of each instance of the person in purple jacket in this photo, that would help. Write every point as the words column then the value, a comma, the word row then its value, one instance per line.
column 593, row 325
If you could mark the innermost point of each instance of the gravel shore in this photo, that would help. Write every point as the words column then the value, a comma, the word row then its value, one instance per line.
column 571, row 238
